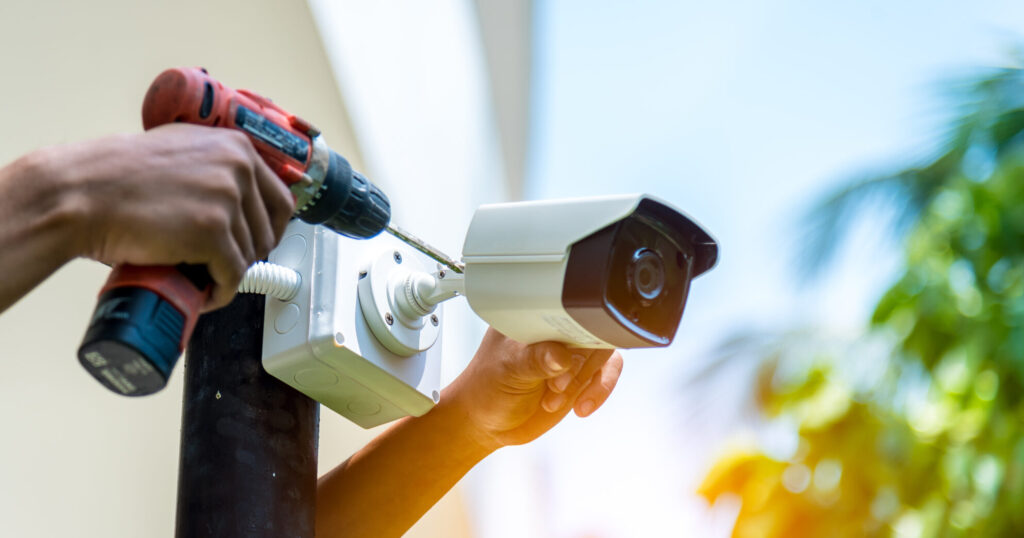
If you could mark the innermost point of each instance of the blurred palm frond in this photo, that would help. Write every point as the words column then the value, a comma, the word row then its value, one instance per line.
column 987, row 124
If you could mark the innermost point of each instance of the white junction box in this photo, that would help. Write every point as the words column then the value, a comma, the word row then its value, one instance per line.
column 320, row 342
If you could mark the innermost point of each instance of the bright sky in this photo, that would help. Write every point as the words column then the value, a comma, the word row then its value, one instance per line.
column 740, row 113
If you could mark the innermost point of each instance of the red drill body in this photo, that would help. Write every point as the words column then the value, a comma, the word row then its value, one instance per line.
column 146, row 315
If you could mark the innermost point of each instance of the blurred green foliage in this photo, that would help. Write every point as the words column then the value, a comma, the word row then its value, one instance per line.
column 920, row 435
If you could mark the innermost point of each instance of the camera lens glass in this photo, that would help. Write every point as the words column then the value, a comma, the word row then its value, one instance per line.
column 627, row 283
column 641, row 288
column 646, row 275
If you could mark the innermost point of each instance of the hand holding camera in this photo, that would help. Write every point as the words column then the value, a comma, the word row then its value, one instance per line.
column 511, row 393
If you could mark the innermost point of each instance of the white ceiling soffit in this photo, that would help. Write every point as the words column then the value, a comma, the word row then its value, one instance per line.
column 506, row 27
column 413, row 77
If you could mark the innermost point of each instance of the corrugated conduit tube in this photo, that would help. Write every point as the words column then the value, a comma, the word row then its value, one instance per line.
column 267, row 278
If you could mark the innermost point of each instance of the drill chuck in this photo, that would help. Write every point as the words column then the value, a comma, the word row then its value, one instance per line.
column 348, row 203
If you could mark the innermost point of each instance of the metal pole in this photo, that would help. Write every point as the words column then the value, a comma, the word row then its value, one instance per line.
column 248, row 441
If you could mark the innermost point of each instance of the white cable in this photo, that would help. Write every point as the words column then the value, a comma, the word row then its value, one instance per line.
column 271, row 279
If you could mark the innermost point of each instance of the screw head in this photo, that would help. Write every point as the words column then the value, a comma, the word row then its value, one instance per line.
column 441, row 273
column 389, row 319
column 398, row 257
column 434, row 320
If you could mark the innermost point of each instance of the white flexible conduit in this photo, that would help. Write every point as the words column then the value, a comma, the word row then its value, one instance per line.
column 266, row 278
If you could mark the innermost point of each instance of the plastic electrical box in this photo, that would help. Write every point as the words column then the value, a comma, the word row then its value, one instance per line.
column 320, row 342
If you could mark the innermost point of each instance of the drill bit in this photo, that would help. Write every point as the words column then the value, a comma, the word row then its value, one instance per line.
column 422, row 246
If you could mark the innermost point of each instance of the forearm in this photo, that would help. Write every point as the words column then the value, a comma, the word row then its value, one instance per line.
column 384, row 488
column 36, row 221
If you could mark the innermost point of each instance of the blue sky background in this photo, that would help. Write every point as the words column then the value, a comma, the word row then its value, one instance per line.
column 741, row 113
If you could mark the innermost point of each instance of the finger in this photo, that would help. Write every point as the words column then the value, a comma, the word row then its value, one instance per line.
column 243, row 236
column 277, row 199
column 593, row 360
column 537, row 362
column 586, row 363
column 226, row 267
column 562, row 381
column 258, row 221
column 600, row 387
column 560, row 386
column 559, row 383
column 554, row 401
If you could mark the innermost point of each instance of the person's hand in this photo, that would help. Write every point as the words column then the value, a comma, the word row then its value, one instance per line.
column 512, row 393
column 175, row 194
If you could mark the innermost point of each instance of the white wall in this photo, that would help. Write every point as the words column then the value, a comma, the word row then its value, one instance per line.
column 416, row 82
column 77, row 460
column 414, row 78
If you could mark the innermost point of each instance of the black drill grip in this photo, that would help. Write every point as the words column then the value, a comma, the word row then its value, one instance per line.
column 349, row 204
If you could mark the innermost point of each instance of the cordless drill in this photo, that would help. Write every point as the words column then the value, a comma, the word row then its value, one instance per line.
column 145, row 315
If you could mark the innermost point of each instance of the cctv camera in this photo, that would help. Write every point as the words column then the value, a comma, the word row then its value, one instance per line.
column 362, row 333
column 610, row 272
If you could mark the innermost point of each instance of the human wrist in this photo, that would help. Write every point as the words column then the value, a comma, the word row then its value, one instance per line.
column 50, row 198
column 457, row 412
column 86, row 179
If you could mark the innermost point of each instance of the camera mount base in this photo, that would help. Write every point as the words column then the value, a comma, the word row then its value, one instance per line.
column 386, row 292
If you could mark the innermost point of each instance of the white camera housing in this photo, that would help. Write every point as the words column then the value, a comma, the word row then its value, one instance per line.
column 558, row 269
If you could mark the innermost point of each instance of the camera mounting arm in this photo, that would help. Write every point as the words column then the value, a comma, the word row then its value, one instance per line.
column 419, row 293
column 398, row 301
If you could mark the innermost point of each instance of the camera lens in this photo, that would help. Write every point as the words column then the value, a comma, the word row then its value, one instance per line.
column 646, row 274
column 627, row 283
